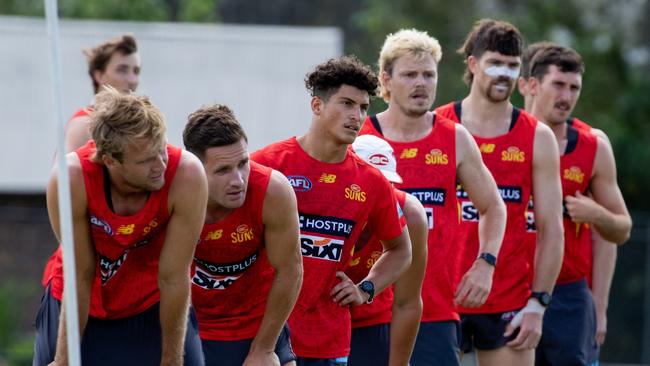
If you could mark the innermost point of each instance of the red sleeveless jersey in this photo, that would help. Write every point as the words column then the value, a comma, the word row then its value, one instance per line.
column 509, row 158
column 428, row 170
column 56, row 258
column 578, row 124
column 231, row 275
column 335, row 201
column 127, row 248
column 576, row 167
column 366, row 252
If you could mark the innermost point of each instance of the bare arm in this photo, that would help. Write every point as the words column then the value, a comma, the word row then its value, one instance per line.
column 606, row 211
column 407, row 302
column 604, row 263
column 77, row 133
column 549, row 250
column 475, row 286
column 547, row 188
column 84, row 252
column 188, row 199
column 281, row 237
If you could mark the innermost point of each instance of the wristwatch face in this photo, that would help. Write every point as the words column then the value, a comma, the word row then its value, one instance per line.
column 369, row 288
column 544, row 298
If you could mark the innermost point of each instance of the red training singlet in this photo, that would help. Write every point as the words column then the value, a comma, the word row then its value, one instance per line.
column 231, row 275
column 334, row 203
column 428, row 169
column 366, row 252
column 509, row 158
column 576, row 167
column 56, row 258
column 127, row 248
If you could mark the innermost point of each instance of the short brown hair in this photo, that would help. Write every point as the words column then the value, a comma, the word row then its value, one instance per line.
column 528, row 55
column 119, row 120
column 327, row 78
column 211, row 126
column 566, row 59
column 490, row 35
column 99, row 55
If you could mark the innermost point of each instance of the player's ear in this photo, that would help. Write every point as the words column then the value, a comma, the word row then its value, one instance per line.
column 317, row 105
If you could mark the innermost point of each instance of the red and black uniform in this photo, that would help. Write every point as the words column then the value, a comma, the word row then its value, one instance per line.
column 509, row 158
column 56, row 259
column 576, row 167
column 367, row 251
column 335, row 202
column 231, row 275
column 428, row 170
column 127, row 247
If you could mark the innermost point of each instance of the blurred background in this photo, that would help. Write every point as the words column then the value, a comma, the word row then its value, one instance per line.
column 612, row 36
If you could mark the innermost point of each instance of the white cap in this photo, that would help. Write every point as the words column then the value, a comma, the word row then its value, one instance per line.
column 379, row 154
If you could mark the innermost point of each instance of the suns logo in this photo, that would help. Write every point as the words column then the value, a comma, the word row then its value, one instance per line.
column 126, row 229
column 486, row 148
column 152, row 224
column 436, row 157
column 513, row 154
column 327, row 178
column 409, row 153
column 374, row 257
column 355, row 193
column 574, row 174
column 242, row 234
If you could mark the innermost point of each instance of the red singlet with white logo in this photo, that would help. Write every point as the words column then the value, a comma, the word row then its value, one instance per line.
column 366, row 252
column 576, row 167
column 56, row 258
column 231, row 275
column 428, row 169
column 127, row 248
column 509, row 158
column 334, row 203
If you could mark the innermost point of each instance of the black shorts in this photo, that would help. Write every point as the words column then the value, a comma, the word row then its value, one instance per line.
column 233, row 353
column 485, row 331
column 370, row 345
column 306, row 361
column 136, row 340
column 437, row 344
column 569, row 328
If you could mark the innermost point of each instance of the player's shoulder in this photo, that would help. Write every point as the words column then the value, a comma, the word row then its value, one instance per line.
column 273, row 151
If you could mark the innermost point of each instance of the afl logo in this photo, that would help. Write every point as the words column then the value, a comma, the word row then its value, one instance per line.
column 94, row 220
column 299, row 183
column 378, row 159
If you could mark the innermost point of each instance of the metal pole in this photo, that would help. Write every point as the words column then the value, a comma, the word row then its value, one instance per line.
column 65, row 212
column 645, row 341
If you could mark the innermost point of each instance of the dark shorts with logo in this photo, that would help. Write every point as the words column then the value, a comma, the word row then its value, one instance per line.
column 130, row 341
column 338, row 361
column 569, row 328
column 370, row 345
column 233, row 353
column 485, row 331
column 437, row 344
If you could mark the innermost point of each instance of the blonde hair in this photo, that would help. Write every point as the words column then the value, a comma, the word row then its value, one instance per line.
column 405, row 41
column 120, row 120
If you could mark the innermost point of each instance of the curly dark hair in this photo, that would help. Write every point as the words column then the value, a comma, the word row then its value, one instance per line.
column 490, row 35
column 211, row 126
column 327, row 78
column 566, row 59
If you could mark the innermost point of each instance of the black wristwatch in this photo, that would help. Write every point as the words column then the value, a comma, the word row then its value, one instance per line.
column 369, row 288
column 544, row 298
column 489, row 258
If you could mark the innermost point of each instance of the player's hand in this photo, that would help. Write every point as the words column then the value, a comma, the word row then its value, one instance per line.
column 262, row 359
column 529, row 321
column 582, row 208
column 601, row 328
column 347, row 292
column 475, row 285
